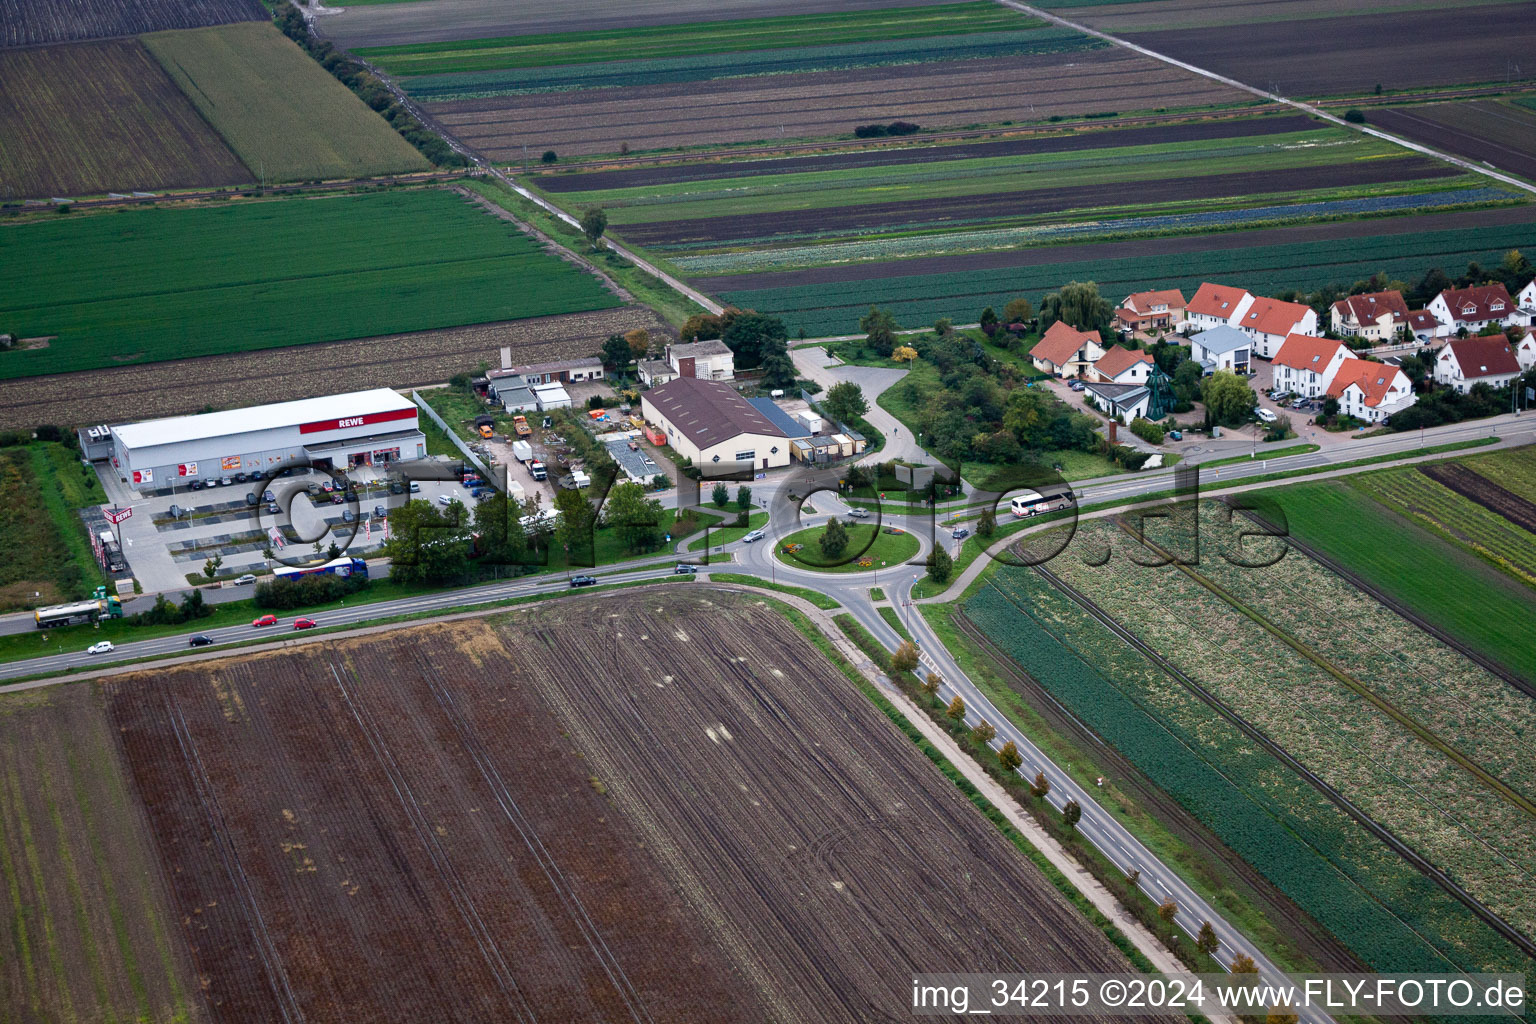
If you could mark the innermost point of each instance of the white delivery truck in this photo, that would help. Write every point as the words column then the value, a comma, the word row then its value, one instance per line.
column 522, row 451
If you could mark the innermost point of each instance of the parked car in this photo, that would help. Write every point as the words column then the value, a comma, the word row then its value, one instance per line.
column 239, row 478
column 256, row 474
column 196, row 485
column 250, row 497
column 100, row 647
column 176, row 511
column 226, row 481
column 395, row 487
column 338, row 499
column 199, row 640
column 1077, row 385
column 380, row 512
column 858, row 513
column 685, row 569
column 583, row 581
column 304, row 622
column 415, row 487
column 268, row 496
column 327, row 486
column 444, row 500
column 273, row 508
column 265, row 620
column 753, row 537
column 347, row 515
column 246, row 580
column 212, row 481
column 1176, row 435
column 960, row 533
column 1265, row 416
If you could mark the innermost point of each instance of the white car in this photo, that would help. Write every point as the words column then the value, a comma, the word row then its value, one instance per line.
column 444, row 500
column 858, row 513
column 100, row 647
column 1264, row 415
column 754, row 536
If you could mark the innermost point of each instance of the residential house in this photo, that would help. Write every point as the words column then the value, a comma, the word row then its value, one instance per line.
column 1374, row 316
column 1525, row 350
column 1472, row 309
column 510, row 389
column 1306, row 365
column 655, row 371
column 1121, row 365
column 1124, row 400
column 1371, row 391
column 710, row 423
column 1150, row 311
column 1463, row 362
column 1425, row 325
column 1215, row 305
column 563, row 371
column 1526, row 300
column 1066, row 351
column 1269, row 322
column 706, row 360
column 1222, row 348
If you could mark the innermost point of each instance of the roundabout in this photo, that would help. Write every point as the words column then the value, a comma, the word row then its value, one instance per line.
column 868, row 548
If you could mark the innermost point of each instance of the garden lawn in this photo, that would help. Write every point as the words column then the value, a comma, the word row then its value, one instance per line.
column 1448, row 587
column 865, row 541
column 729, row 534
column 177, row 283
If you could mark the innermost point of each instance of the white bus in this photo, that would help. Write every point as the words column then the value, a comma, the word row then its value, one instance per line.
column 1026, row 503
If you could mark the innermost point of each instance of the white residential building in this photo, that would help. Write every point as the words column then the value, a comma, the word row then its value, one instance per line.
column 1305, row 365
column 706, row 360
column 1122, row 365
column 1371, row 391
column 1472, row 309
column 1463, row 362
column 1269, row 322
column 1222, row 348
column 1216, row 305
column 1066, row 351
column 1374, row 316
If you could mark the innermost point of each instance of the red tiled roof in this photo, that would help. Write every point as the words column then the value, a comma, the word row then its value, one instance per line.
column 1216, row 300
column 1144, row 301
column 1476, row 303
column 1373, row 379
column 1061, row 342
column 1271, row 316
column 1484, row 357
column 1304, row 352
column 1119, row 359
column 1422, row 318
column 1364, row 309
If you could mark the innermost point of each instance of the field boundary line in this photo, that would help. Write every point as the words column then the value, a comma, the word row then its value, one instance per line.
column 1307, row 108
column 1257, row 735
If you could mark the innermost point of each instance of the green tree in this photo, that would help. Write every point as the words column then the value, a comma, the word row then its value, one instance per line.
column 905, row 658
column 616, row 352
column 744, row 498
column 1080, row 305
column 986, row 524
column 550, row 156
column 1028, row 416
column 1009, row 757
column 427, row 544
column 1354, row 115
column 845, row 401
column 983, row 733
column 1228, row 398
column 931, row 684
column 1018, row 311
column 1040, row 787
column 211, row 567
column 940, row 565
column 1205, row 939
column 778, row 368
column 988, row 321
column 834, row 539
column 575, row 530
column 502, row 538
column 1168, row 909
column 751, row 336
column 880, row 330
column 1071, row 813
column 594, row 221
column 956, row 710
column 720, row 495
column 636, row 517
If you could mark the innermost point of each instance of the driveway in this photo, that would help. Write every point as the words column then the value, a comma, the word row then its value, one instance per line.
column 826, row 370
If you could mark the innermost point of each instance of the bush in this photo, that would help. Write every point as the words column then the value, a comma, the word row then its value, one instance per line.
column 880, row 131
column 1147, row 430
column 1354, row 115
column 283, row 595
column 549, row 156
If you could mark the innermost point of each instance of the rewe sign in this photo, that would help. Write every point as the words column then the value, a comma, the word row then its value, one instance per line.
column 320, row 426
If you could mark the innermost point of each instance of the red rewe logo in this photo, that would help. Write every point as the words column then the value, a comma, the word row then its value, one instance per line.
column 355, row 421
column 358, row 421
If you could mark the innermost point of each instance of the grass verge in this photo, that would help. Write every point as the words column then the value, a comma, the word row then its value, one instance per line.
column 816, row 598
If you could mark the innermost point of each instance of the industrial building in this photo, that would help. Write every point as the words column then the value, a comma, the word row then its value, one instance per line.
column 362, row 428
column 709, row 422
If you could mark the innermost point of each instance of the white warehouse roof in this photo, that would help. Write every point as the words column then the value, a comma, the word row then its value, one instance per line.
column 179, row 429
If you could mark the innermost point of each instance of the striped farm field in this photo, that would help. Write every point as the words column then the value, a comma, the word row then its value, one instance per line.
column 177, row 283
column 284, row 114
column 98, row 117
column 1513, row 469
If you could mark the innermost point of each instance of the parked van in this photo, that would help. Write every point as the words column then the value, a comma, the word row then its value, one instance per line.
column 1264, row 415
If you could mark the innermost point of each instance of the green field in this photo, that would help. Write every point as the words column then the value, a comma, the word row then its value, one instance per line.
column 866, row 542
column 283, row 114
column 667, row 41
column 175, row 283
column 1445, row 585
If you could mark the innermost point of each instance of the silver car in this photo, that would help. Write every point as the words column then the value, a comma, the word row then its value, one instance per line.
column 753, row 537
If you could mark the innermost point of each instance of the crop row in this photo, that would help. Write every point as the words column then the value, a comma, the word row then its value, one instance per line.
column 1422, row 794
column 1392, row 916
column 1486, row 532
column 1514, row 469
column 788, row 258
column 468, row 82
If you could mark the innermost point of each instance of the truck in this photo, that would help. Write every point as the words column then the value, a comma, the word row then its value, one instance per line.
column 111, row 552
column 580, row 479
column 522, row 451
column 520, row 424
column 99, row 607
column 538, row 470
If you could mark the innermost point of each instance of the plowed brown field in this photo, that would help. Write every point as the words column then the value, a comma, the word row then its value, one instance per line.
column 626, row 808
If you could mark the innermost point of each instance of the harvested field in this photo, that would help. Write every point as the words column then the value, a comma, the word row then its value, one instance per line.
column 441, row 20
column 1118, row 16
column 90, row 933
column 957, row 210
column 474, row 816
column 38, row 22
column 826, row 103
column 895, row 154
column 230, row 381
column 194, row 281
column 285, row 115
column 1501, row 134
column 1322, row 57
column 98, row 117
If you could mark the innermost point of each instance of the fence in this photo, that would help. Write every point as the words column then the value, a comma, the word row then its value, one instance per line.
column 458, row 442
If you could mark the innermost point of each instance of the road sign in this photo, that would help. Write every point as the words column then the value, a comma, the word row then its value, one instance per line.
column 116, row 515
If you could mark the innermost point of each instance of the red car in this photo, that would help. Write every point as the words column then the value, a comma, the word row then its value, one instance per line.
column 265, row 620
column 303, row 623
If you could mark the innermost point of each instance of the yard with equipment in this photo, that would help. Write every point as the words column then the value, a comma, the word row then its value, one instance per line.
column 175, row 283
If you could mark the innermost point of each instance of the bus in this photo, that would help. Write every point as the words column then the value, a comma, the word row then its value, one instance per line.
column 99, row 607
column 336, row 567
column 1049, row 498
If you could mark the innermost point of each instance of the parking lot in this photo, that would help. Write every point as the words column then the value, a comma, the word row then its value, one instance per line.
column 163, row 548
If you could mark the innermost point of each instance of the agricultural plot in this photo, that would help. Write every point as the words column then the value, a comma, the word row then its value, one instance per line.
column 501, row 802
column 89, row 933
column 1431, row 577
column 285, row 115
column 1500, row 134
column 1130, row 15
column 252, row 378
column 1514, row 469
column 98, row 117
column 1416, row 752
column 1391, row 915
column 830, row 300
column 172, row 284
column 40, row 22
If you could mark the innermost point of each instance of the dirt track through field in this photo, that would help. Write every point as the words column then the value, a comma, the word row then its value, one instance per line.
column 1476, row 487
